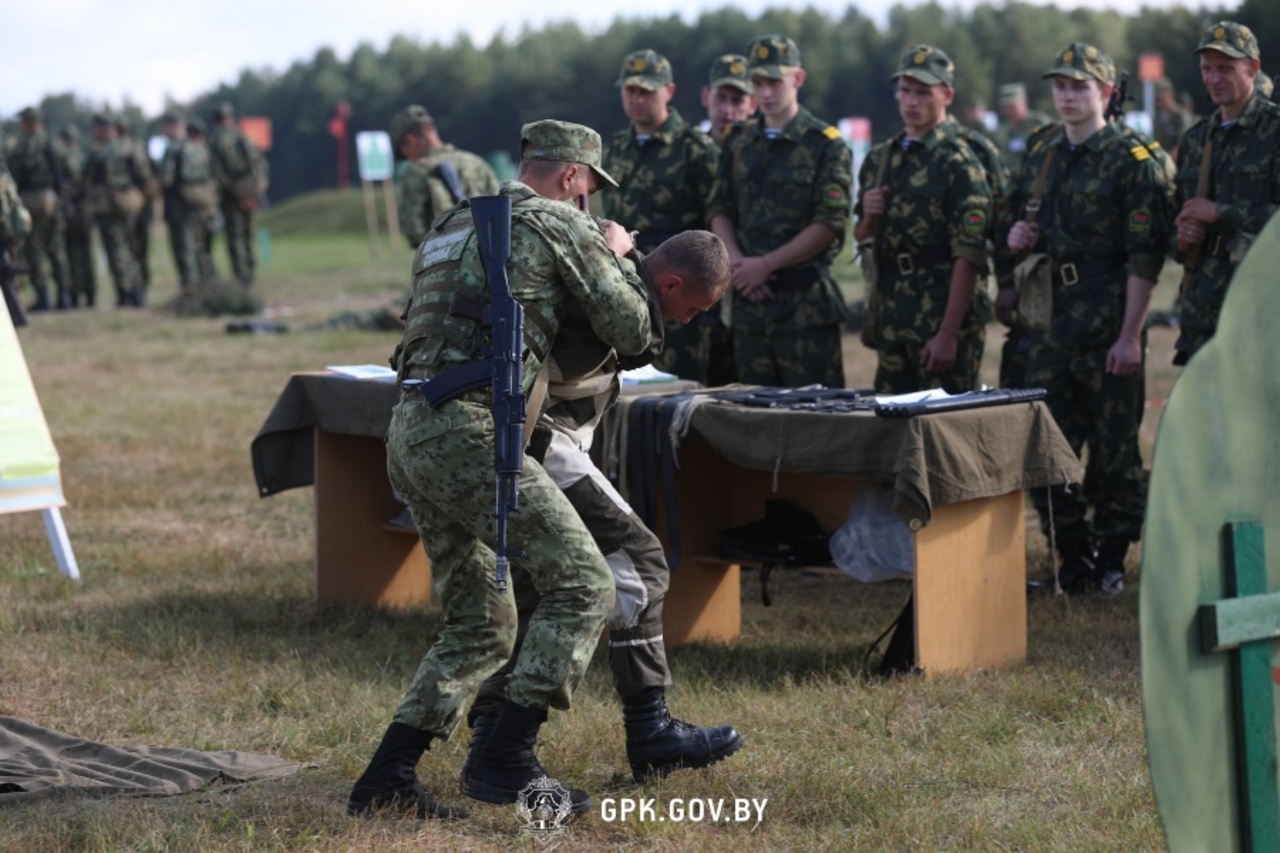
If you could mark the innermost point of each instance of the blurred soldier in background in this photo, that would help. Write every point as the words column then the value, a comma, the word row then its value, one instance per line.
column 727, row 96
column 84, row 278
column 1172, row 119
column 666, row 174
column 436, row 175
column 39, row 168
column 140, row 163
column 190, row 199
column 782, row 210
column 241, row 172
column 15, row 225
column 114, row 188
column 1017, row 124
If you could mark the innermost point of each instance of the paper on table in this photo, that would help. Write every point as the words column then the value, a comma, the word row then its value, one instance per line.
column 645, row 375
column 363, row 371
column 914, row 396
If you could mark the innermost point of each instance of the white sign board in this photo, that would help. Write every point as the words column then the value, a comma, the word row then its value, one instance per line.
column 373, row 151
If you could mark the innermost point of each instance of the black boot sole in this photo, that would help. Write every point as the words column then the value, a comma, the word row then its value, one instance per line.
column 486, row 793
column 643, row 772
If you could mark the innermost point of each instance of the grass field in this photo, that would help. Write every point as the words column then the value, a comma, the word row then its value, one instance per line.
column 195, row 626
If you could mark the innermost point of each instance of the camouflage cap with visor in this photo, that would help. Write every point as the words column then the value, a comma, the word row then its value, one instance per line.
column 730, row 70
column 561, row 140
column 646, row 69
column 769, row 56
column 927, row 64
column 1080, row 61
column 1011, row 93
column 1235, row 40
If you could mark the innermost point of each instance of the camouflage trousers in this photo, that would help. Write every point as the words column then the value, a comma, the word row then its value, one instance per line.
column 637, row 653
column 441, row 464
column 899, row 371
column 701, row 350
column 189, row 232
column 80, row 263
column 46, row 251
column 1101, row 412
column 789, row 359
column 118, row 243
column 237, row 226
column 141, row 233
column 1013, row 358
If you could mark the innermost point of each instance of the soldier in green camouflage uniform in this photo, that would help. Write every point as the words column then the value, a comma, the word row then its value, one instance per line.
column 191, row 199
column 1103, row 220
column 1214, row 232
column 436, row 175
column 782, row 209
column 666, row 173
column 114, row 190
column 140, row 231
column 241, row 172
column 1172, row 119
column 39, row 168
column 440, row 461
column 15, row 225
column 727, row 96
column 80, row 263
column 930, row 221
column 1018, row 123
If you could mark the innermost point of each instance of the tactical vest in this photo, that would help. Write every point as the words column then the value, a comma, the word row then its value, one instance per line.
column 446, row 321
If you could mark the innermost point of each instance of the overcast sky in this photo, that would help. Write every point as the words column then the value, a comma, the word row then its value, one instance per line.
column 145, row 50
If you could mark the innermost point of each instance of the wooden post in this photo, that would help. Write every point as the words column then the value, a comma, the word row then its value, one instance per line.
column 371, row 217
column 393, row 217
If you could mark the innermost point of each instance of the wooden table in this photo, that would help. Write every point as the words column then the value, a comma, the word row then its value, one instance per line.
column 970, row 548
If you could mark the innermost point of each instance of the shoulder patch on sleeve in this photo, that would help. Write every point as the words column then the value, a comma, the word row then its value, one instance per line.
column 1140, row 152
column 835, row 195
column 830, row 132
column 1140, row 220
column 975, row 221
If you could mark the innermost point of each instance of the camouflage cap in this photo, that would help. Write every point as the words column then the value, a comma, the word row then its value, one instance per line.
column 170, row 117
column 195, row 127
column 405, row 120
column 223, row 112
column 1011, row 93
column 1080, row 61
column 768, row 56
column 1235, row 40
column 927, row 64
column 647, row 69
column 730, row 70
column 70, row 132
column 103, row 119
column 562, row 140
column 29, row 114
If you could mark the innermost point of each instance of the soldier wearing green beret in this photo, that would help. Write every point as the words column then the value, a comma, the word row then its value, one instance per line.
column 39, row 167
column 782, row 209
column 1228, row 182
column 440, row 461
column 925, row 209
column 666, row 173
column 436, row 175
column 1094, row 203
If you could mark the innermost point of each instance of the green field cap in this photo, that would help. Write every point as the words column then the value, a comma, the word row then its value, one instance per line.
column 767, row 56
column 647, row 69
column 562, row 140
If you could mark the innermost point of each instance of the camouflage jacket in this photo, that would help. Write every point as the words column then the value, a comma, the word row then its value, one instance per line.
column 939, row 209
column 1245, row 184
column 33, row 160
column 1105, row 207
column 424, row 194
column 665, row 185
column 1169, row 126
column 115, row 165
column 772, row 190
column 185, row 163
column 559, row 260
column 233, row 156
column 15, row 222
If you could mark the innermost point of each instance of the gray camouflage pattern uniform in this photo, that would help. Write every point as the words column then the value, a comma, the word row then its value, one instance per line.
column 441, row 461
column 423, row 194
column 939, row 210
column 770, row 190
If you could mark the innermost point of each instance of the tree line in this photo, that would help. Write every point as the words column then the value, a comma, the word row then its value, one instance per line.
column 481, row 95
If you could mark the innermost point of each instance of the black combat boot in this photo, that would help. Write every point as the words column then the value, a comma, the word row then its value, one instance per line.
column 1110, row 572
column 42, row 300
column 1079, row 567
column 657, row 743
column 390, row 782
column 481, row 733
column 503, row 764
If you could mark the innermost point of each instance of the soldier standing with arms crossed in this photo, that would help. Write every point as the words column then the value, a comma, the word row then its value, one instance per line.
column 441, row 461
column 666, row 173
column 436, row 176
column 1228, row 182
column 782, row 209
column 926, row 204
column 1095, row 202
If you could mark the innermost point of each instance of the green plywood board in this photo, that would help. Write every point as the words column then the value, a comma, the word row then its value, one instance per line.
column 1217, row 460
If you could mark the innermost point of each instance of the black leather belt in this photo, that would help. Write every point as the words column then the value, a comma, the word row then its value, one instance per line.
column 794, row 278
column 1070, row 273
column 907, row 263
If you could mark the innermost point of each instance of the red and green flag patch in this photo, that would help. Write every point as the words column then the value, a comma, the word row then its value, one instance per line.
column 1140, row 220
column 975, row 221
